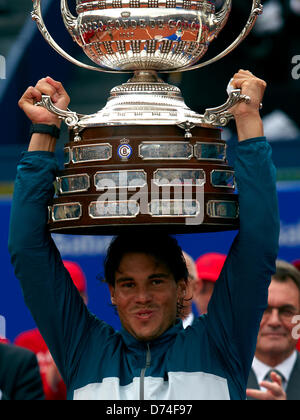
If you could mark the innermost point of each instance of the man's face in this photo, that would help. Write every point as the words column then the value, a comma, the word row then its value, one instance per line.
column 275, row 334
column 146, row 296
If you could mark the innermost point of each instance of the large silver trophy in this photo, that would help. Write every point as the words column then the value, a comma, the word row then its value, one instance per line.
column 145, row 159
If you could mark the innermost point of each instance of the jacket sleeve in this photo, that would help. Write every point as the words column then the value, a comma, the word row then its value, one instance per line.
column 55, row 304
column 241, row 292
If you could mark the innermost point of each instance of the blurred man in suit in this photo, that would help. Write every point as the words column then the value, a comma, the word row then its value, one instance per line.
column 275, row 371
column 19, row 374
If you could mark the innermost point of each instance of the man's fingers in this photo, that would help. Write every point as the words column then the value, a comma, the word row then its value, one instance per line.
column 276, row 378
column 32, row 93
column 30, row 96
column 258, row 395
column 245, row 76
column 274, row 391
column 47, row 89
column 243, row 73
column 246, row 81
column 274, row 387
column 58, row 86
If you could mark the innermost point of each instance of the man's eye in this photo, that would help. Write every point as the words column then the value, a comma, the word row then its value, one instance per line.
column 128, row 285
column 287, row 313
column 157, row 281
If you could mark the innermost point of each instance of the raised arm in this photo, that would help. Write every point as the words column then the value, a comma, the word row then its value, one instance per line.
column 56, row 306
column 240, row 294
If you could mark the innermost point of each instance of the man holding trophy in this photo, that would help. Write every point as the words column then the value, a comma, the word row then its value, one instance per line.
column 152, row 357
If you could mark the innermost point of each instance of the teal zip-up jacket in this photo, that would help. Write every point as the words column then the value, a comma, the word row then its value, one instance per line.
column 209, row 360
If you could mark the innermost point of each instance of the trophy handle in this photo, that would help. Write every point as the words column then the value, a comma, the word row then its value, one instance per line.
column 70, row 21
column 220, row 19
column 256, row 10
column 220, row 116
column 36, row 15
column 70, row 118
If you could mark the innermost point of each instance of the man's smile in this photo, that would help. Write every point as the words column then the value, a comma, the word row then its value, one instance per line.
column 144, row 314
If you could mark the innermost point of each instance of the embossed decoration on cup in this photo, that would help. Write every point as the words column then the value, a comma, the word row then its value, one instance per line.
column 145, row 34
column 124, row 35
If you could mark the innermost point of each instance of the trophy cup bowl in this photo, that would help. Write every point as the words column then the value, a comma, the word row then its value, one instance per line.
column 145, row 159
column 145, row 34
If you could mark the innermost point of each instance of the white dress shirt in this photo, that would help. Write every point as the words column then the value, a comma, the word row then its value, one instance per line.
column 285, row 368
column 188, row 320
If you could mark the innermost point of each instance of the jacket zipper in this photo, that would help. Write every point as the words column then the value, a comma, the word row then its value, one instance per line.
column 143, row 371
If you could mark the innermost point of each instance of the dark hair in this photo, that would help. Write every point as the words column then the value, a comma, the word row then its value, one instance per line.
column 163, row 247
column 286, row 271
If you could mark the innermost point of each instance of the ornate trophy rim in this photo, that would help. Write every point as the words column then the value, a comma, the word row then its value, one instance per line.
column 69, row 19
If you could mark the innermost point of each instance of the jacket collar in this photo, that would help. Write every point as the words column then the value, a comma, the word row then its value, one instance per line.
column 136, row 345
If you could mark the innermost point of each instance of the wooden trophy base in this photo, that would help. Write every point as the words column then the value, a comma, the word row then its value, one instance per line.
column 124, row 178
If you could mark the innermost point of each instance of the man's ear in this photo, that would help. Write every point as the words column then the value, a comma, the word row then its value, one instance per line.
column 112, row 294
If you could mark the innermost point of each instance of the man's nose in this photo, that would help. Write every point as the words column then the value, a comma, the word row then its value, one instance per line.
column 143, row 295
column 274, row 318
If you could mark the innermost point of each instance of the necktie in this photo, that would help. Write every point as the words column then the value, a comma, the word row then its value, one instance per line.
column 268, row 376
